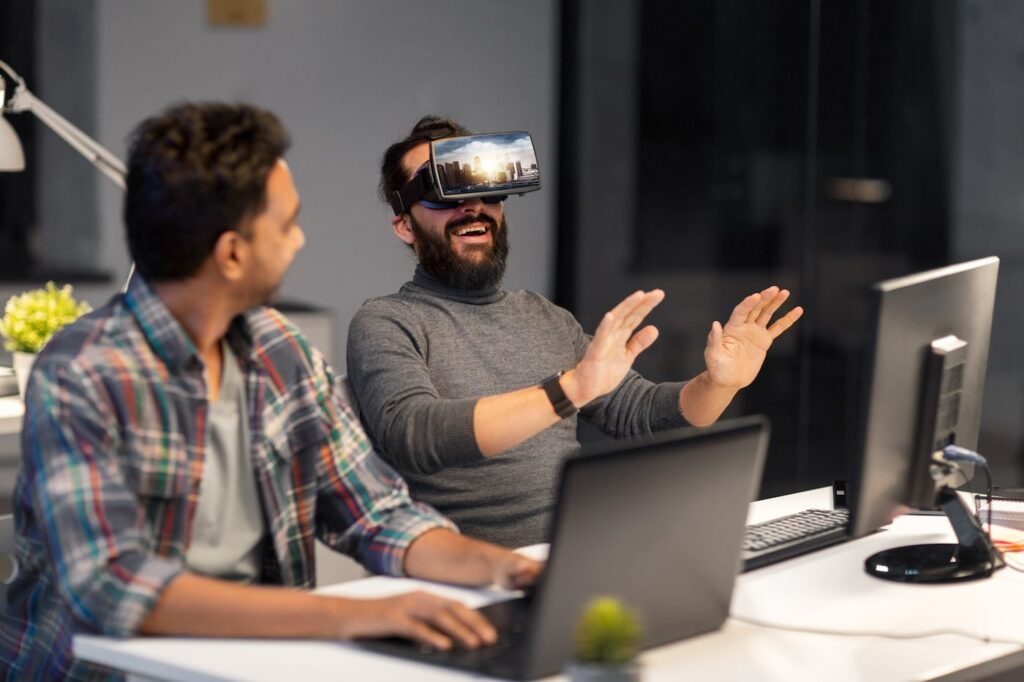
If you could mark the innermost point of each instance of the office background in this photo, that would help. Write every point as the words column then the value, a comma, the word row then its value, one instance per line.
column 706, row 148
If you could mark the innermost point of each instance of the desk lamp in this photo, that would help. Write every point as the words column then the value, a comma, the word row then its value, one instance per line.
column 12, row 157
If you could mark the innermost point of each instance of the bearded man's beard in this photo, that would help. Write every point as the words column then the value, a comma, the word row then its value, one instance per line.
column 439, row 258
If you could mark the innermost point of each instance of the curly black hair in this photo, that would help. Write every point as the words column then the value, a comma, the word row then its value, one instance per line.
column 392, row 175
column 196, row 171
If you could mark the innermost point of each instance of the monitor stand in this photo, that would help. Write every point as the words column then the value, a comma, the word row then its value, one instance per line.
column 973, row 557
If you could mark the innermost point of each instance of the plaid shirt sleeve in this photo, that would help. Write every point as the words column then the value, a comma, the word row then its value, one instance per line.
column 364, row 508
column 91, row 526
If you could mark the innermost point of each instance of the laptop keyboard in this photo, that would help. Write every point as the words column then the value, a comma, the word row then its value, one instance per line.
column 504, row 658
column 511, row 620
column 771, row 541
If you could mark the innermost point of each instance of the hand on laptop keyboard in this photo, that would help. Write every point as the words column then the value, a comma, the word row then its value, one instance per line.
column 517, row 572
column 425, row 618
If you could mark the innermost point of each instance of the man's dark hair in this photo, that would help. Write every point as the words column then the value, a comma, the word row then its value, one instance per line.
column 392, row 175
column 196, row 171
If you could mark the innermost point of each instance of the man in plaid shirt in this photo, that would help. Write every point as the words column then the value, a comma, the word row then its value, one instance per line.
column 184, row 445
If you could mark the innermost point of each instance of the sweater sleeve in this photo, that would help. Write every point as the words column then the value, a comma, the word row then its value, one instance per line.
column 413, row 428
column 636, row 407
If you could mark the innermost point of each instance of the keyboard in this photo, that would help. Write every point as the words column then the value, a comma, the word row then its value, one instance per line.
column 789, row 536
column 506, row 658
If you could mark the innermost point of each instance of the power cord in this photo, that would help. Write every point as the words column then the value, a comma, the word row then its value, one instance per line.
column 924, row 634
column 1013, row 563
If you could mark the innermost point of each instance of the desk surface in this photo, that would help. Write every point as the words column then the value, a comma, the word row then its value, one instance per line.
column 826, row 590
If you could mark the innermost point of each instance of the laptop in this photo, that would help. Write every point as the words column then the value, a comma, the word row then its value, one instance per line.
column 656, row 523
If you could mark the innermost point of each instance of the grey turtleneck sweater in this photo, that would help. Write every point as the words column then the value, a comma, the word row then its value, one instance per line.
column 418, row 361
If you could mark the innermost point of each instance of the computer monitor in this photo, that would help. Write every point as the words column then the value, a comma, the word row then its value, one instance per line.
column 923, row 390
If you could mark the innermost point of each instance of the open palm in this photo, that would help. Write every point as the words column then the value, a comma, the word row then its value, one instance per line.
column 616, row 344
column 734, row 353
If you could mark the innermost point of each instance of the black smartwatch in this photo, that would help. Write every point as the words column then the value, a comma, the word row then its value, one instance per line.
column 553, row 388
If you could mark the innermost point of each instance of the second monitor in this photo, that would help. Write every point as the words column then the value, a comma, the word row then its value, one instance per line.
column 926, row 376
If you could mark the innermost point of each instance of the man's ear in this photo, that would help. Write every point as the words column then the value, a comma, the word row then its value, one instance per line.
column 402, row 225
column 230, row 252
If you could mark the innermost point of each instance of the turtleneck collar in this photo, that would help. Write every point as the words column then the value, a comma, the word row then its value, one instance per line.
column 425, row 280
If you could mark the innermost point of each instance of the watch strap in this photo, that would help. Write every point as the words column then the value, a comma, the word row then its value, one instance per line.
column 559, row 401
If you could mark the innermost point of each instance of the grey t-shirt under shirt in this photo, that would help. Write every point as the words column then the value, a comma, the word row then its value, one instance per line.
column 228, row 527
column 419, row 360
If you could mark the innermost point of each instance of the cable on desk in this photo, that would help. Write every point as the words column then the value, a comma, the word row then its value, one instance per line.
column 1013, row 563
column 955, row 453
column 924, row 634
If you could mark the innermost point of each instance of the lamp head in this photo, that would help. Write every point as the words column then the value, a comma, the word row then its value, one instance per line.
column 12, row 156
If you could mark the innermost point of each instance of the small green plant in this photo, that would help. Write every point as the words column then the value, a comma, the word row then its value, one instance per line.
column 607, row 633
column 31, row 318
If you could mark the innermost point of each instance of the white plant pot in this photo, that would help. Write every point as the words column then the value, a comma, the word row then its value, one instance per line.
column 22, row 363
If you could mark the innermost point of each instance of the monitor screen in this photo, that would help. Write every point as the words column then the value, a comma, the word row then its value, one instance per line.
column 905, row 420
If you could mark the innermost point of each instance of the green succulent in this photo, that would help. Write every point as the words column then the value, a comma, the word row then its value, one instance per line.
column 31, row 318
column 607, row 633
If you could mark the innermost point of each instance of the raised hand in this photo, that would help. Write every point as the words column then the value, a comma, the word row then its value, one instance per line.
column 734, row 353
column 614, row 348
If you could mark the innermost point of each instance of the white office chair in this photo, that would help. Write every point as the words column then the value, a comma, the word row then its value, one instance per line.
column 8, row 564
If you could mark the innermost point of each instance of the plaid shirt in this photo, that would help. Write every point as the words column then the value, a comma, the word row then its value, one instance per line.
column 112, row 461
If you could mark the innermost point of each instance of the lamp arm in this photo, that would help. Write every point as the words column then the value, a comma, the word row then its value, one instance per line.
column 97, row 154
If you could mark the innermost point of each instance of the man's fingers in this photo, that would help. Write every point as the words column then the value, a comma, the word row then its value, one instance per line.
column 519, row 572
column 450, row 621
column 475, row 621
column 785, row 322
column 437, row 621
column 642, row 340
column 634, row 308
column 526, row 573
column 605, row 334
column 742, row 310
column 771, row 307
column 419, row 631
column 626, row 304
column 642, row 310
column 765, row 299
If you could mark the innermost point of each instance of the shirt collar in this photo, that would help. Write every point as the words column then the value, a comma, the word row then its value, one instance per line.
column 425, row 280
column 166, row 335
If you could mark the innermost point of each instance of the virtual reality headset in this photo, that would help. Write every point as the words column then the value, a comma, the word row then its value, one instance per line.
column 490, row 166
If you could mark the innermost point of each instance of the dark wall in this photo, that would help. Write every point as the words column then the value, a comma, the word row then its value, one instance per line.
column 717, row 148
column 17, row 190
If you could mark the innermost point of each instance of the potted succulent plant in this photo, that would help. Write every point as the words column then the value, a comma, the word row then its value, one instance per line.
column 607, row 641
column 31, row 318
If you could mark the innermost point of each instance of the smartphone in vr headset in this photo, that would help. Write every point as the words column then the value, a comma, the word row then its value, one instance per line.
column 489, row 166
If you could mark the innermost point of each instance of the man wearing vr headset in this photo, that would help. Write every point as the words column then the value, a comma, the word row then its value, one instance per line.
column 471, row 391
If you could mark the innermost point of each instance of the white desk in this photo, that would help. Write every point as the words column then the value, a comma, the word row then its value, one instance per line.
column 11, row 411
column 826, row 589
